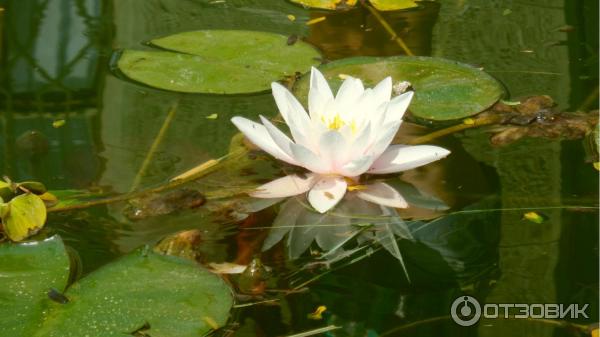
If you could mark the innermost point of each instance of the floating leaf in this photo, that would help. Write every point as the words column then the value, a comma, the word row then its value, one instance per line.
column 534, row 217
column 218, row 61
column 171, row 295
column 28, row 271
column 393, row 5
column 444, row 89
column 26, row 216
column 326, row 4
column 166, row 295
column 382, row 5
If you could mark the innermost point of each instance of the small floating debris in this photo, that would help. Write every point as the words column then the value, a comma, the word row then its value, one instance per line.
column 58, row 123
column 212, row 116
column 291, row 17
column 535, row 217
column 318, row 313
column 315, row 20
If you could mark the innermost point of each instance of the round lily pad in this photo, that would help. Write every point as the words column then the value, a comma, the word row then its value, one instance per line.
column 393, row 5
column 218, row 61
column 444, row 89
column 28, row 271
column 142, row 293
column 25, row 216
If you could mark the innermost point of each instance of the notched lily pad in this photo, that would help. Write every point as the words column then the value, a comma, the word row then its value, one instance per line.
column 218, row 61
column 167, row 295
column 444, row 89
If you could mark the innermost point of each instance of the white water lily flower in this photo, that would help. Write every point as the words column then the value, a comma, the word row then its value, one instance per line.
column 342, row 137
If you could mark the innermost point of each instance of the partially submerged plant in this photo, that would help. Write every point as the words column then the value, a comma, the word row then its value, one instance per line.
column 340, row 139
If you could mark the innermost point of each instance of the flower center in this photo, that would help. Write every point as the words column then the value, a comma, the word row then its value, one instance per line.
column 337, row 122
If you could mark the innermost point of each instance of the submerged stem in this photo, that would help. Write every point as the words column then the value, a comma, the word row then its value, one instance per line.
column 388, row 28
column 154, row 146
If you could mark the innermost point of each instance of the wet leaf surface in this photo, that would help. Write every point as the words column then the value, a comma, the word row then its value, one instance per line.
column 218, row 61
column 28, row 271
column 444, row 90
column 26, row 216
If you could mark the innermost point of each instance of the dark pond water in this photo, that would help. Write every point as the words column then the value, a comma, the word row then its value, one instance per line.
column 55, row 58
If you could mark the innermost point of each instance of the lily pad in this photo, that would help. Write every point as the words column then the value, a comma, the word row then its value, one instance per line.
column 28, row 271
column 326, row 4
column 393, row 5
column 218, row 61
column 444, row 89
column 24, row 216
column 382, row 5
column 162, row 295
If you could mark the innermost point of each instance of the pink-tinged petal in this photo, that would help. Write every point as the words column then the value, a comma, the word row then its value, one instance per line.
column 356, row 167
column 399, row 158
column 350, row 90
column 281, row 139
column 259, row 136
column 319, row 93
column 293, row 113
column 397, row 107
column 383, row 139
column 333, row 148
column 382, row 194
column 326, row 193
column 285, row 187
column 309, row 159
column 383, row 90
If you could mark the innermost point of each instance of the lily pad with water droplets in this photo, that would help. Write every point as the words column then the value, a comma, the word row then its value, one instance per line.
column 161, row 295
column 444, row 89
column 28, row 271
column 218, row 61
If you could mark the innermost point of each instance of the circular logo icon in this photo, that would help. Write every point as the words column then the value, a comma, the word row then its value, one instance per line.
column 465, row 311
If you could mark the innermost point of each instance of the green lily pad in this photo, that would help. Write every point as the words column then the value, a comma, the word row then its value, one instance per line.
column 163, row 295
column 382, row 5
column 326, row 4
column 28, row 271
column 218, row 61
column 393, row 5
column 444, row 89
column 24, row 216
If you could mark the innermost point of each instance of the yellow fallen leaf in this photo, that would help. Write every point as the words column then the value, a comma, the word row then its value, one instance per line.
column 595, row 333
column 291, row 17
column 315, row 20
column 58, row 123
column 533, row 217
column 468, row 121
column 317, row 314
column 212, row 116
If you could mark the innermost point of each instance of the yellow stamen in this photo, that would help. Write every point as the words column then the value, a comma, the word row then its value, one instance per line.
column 356, row 188
column 336, row 123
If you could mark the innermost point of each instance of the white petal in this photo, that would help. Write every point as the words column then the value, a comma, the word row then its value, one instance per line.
column 383, row 90
column 382, row 194
column 319, row 93
column 384, row 137
column 397, row 107
column 402, row 157
column 350, row 90
column 309, row 159
column 357, row 167
column 333, row 148
column 326, row 193
column 293, row 113
column 259, row 136
column 285, row 187
column 280, row 138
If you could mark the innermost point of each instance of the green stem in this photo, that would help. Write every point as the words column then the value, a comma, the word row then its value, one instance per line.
column 455, row 128
column 138, row 194
column 388, row 28
column 150, row 155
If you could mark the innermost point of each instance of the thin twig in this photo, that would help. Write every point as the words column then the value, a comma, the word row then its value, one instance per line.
column 138, row 194
column 388, row 28
column 316, row 331
column 154, row 146
column 477, row 122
